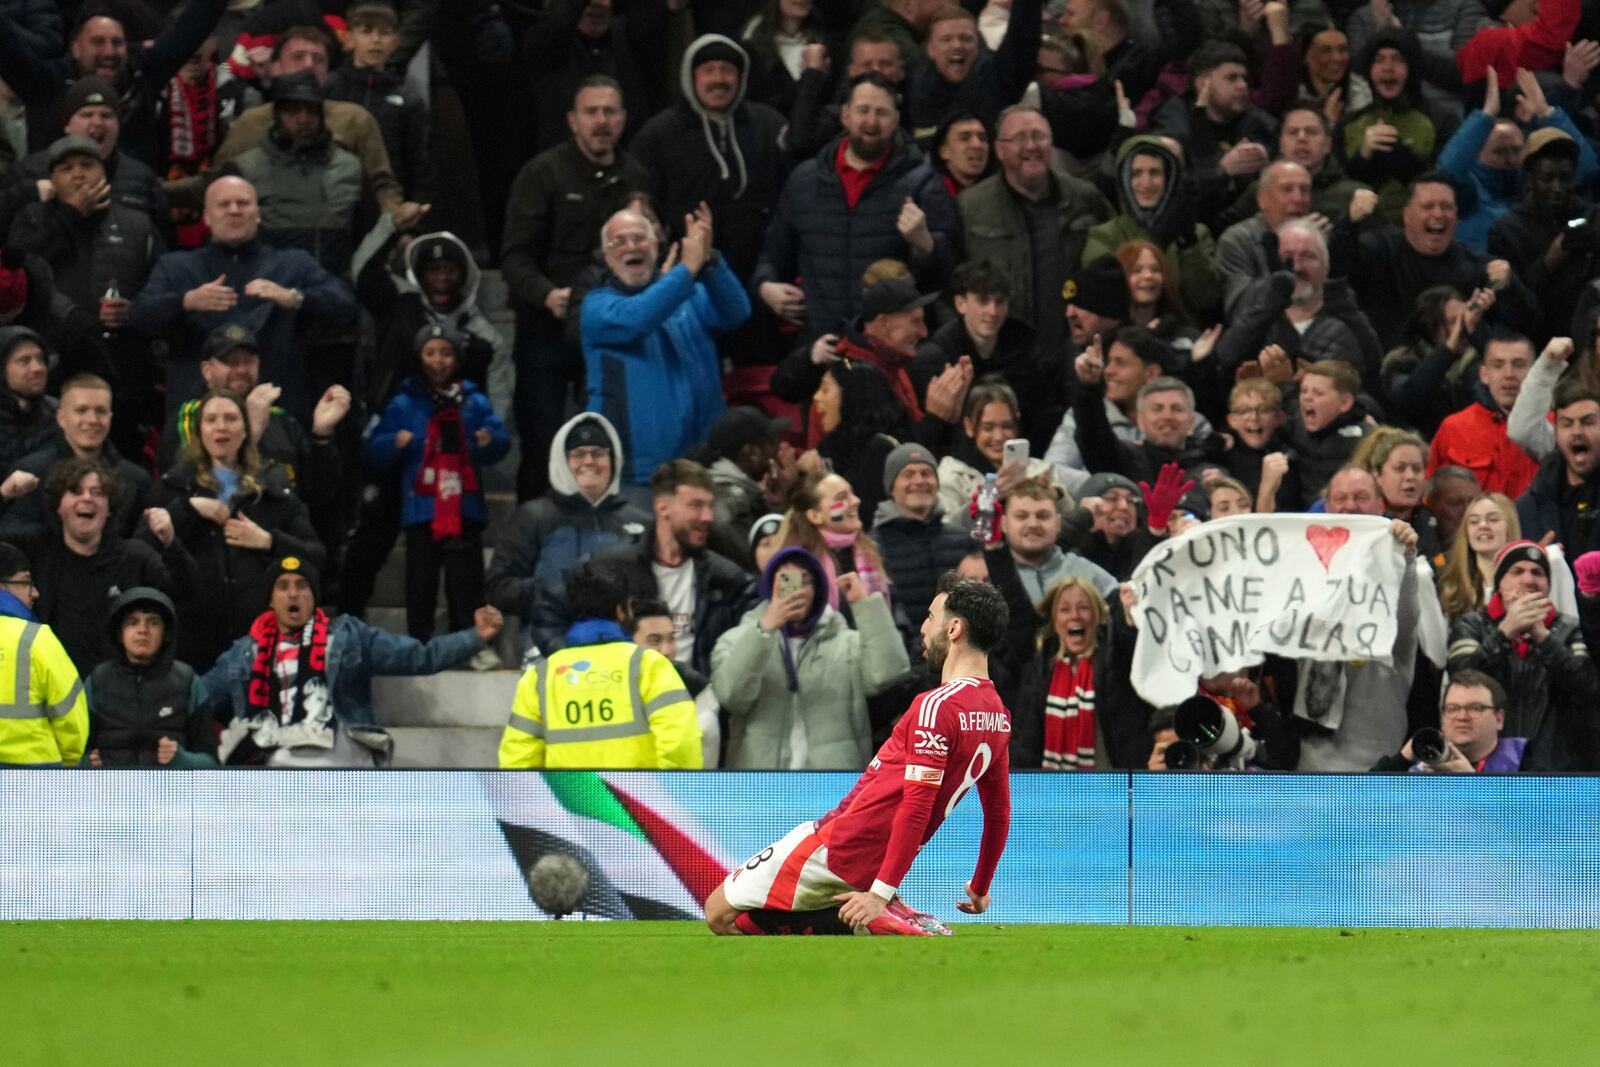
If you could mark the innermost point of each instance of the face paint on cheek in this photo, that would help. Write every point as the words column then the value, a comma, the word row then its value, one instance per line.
column 837, row 511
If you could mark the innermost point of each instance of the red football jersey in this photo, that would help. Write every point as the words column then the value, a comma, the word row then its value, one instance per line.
column 952, row 738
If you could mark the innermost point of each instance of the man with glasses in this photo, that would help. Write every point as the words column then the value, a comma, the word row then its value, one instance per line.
column 1471, row 718
column 45, row 721
column 558, row 202
column 1541, row 660
column 1035, row 218
column 647, row 345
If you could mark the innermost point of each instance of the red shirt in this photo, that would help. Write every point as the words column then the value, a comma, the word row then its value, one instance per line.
column 1475, row 438
column 855, row 181
column 951, row 738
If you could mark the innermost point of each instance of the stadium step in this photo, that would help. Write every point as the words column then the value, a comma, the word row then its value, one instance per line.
column 449, row 699
column 446, row 748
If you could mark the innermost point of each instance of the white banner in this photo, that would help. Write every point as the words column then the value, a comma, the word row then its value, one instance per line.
column 1230, row 591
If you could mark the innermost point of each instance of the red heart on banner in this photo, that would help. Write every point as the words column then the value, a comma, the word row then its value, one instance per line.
column 1326, row 541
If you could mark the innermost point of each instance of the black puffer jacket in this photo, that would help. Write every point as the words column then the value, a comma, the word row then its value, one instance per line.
column 133, row 185
column 132, row 708
column 1318, row 456
column 816, row 237
column 24, row 426
column 232, row 582
column 916, row 552
column 1551, row 692
column 116, row 246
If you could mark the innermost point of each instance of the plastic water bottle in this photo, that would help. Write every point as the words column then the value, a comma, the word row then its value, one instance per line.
column 111, row 295
column 983, row 509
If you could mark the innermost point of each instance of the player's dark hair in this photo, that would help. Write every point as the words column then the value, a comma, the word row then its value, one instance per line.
column 979, row 605
column 641, row 608
column 595, row 594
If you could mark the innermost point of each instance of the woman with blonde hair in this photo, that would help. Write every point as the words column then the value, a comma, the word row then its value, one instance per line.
column 1489, row 524
column 237, row 517
column 1076, row 709
column 1398, row 461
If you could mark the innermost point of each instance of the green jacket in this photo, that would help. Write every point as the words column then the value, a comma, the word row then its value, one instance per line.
column 993, row 225
column 1388, row 173
column 836, row 670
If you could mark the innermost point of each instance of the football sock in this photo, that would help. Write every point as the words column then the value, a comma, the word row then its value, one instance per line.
column 771, row 923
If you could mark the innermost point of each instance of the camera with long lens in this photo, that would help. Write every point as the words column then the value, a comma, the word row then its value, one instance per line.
column 1428, row 746
column 1209, row 730
column 1183, row 756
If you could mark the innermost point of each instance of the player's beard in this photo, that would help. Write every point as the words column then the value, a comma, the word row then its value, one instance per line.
column 936, row 651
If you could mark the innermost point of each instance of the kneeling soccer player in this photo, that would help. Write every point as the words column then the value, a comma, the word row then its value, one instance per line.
column 840, row 874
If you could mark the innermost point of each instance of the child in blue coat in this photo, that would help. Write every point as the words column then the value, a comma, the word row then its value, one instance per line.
column 436, row 435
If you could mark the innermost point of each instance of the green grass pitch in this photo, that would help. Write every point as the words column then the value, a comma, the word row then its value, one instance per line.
column 309, row 994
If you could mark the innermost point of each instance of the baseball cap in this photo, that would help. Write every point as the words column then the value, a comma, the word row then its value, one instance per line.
column 894, row 295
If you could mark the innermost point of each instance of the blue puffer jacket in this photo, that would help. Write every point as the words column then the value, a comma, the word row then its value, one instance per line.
column 1484, row 193
column 410, row 410
column 356, row 652
column 653, row 368
column 816, row 237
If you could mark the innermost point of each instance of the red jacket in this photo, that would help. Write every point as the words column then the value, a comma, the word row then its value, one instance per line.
column 1537, row 45
column 1475, row 438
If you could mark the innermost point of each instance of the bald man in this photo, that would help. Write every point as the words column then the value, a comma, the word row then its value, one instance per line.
column 1284, row 194
column 234, row 278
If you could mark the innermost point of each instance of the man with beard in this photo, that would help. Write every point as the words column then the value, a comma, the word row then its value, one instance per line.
column 1550, row 238
column 27, row 416
column 1300, row 310
column 1244, row 251
column 1388, row 268
column 868, row 195
column 840, row 874
column 962, row 75
column 651, row 360
column 1564, row 498
column 308, row 187
column 1034, row 217
column 238, row 278
column 708, row 593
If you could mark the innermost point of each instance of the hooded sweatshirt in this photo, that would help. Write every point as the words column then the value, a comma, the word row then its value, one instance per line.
column 1191, row 254
column 1389, row 172
column 733, row 162
column 25, row 425
column 132, row 708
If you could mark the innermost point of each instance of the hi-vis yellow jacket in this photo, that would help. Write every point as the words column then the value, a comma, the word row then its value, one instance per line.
column 615, row 706
column 44, row 718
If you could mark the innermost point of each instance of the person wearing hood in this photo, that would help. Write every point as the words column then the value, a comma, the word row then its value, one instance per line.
column 298, row 684
column 869, row 195
column 1490, row 156
column 961, row 74
column 647, row 337
column 1550, row 238
column 794, row 679
column 1390, row 141
column 147, row 709
column 717, row 148
column 917, row 542
column 1158, row 206
column 81, row 562
column 237, row 277
column 602, row 702
column 547, row 538
column 437, row 436
column 27, row 415
column 47, row 718
column 309, row 188
column 1541, row 660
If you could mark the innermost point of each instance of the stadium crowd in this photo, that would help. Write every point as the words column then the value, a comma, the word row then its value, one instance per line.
column 815, row 300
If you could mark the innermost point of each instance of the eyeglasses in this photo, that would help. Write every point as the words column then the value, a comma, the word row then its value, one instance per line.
column 1468, row 709
column 1033, row 138
column 1260, row 411
column 632, row 240
column 25, row 583
column 584, row 455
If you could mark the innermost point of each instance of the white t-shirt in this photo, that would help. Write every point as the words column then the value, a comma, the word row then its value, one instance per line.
column 677, row 590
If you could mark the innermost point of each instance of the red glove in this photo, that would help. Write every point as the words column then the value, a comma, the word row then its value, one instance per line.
column 1164, row 496
column 1587, row 568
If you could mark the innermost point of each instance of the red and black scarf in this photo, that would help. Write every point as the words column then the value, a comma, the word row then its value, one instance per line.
column 264, row 694
column 446, row 471
column 1521, row 642
column 1069, row 728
